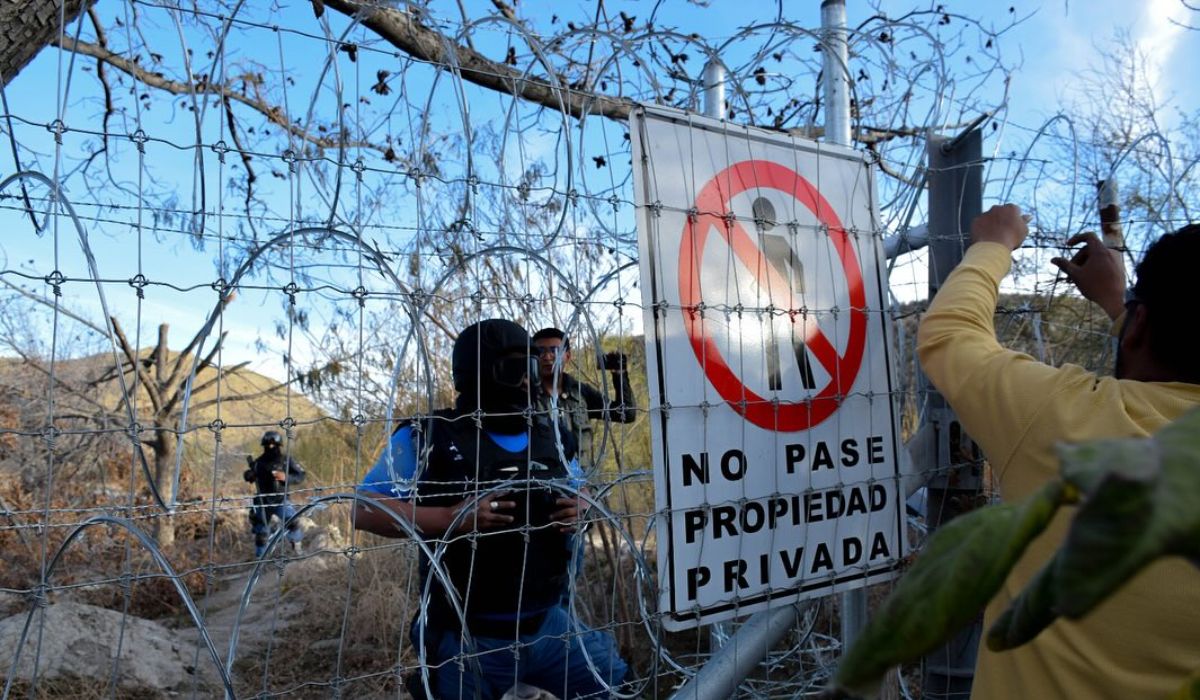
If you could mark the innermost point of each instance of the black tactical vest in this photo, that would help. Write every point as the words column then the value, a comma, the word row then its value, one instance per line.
column 513, row 571
column 270, row 492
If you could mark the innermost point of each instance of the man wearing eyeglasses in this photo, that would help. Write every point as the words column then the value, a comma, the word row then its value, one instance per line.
column 1143, row 641
column 578, row 402
column 484, row 479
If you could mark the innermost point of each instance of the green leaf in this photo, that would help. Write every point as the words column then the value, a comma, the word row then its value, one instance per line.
column 1111, row 539
column 1086, row 465
column 1140, row 501
column 1144, row 509
column 1032, row 612
column 961, row 568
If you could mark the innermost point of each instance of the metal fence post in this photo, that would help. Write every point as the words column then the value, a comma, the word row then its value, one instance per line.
column 955, row 199
column 714, row 89
column 837, row 130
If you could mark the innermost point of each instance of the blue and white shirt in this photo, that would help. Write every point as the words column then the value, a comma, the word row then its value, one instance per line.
column 395, row 472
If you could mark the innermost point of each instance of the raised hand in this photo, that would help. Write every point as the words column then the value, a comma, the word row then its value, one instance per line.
column 1097, row 271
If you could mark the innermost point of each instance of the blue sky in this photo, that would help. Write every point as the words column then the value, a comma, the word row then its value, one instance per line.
column 1052, row 46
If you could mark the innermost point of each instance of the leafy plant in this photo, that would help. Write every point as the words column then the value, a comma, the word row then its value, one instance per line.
column 1138, row 501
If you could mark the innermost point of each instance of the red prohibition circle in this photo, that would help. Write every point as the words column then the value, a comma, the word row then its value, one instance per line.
column 710, row 207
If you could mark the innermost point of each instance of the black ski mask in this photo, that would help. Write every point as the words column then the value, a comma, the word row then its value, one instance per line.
column 491, row 364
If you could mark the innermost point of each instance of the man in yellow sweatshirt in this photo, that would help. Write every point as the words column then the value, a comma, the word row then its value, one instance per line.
column 1144, row 641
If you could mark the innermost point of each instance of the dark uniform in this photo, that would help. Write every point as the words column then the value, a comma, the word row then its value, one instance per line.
column 272, row 499
column 578, row 403
column 519, row 575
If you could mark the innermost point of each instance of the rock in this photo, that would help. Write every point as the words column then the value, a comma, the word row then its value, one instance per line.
column 78, row 642
column 330, row 645
column 323, row 537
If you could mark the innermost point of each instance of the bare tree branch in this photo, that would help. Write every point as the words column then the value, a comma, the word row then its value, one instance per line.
column 28, row 28
column 59, row 381
column 402, row 30
column 243, row 397
column 208, row 359
column 506, row 10
column 152, row 389
column 197, row 388
column 187, row 351
column 46, row 302
column 251, row 176
column 273, row 113
column 887, row 169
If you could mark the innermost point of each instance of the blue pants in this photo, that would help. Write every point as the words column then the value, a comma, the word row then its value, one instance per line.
column 260, row 524
column 553, row 658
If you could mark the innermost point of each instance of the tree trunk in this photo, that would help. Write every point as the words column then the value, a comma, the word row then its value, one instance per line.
column 164, row 445
column 164, row 463
column 28, row 26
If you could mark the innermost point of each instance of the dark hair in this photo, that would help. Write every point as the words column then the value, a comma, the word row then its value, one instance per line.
column 1165, row 286
column 553, row 334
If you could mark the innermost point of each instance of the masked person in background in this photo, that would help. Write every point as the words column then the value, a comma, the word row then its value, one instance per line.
column 481, row 476
column 580, row 403
column 272, row 473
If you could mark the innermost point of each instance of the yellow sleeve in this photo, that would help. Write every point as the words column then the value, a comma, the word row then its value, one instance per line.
column 995, row 392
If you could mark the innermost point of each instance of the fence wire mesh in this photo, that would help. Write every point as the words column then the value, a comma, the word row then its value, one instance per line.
column 227, row 218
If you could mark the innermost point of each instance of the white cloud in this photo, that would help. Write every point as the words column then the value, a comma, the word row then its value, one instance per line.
column 1158, row 34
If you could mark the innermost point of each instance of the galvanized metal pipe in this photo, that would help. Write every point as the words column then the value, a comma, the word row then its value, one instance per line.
column 714, row 89
column 837, row 80
column 719, row 678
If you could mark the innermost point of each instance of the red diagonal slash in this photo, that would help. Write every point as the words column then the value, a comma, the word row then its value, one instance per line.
column 711, row 205
column 770, row 279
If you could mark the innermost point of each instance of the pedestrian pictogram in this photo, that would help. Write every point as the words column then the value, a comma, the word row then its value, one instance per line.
column 782, row 256
column 783, row 272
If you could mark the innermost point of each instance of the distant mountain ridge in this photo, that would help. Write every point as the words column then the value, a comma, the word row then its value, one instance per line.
column 241, row 421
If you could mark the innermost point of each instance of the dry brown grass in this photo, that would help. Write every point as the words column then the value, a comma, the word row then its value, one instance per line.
column 105, row 564
column 73, row 688
column 354, row 627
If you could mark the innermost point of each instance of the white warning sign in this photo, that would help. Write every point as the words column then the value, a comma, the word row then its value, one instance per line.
column 767, row 338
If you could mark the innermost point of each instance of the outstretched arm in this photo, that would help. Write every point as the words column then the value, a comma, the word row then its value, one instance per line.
column 296, row 473
column 623, row 406
column 996, row 392
column 390, row 485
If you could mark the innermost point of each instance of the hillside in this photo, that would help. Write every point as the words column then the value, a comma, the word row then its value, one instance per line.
column 91, row 418
column 85, row 388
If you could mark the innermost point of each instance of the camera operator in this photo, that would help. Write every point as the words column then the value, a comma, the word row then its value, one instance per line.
column 576, row 401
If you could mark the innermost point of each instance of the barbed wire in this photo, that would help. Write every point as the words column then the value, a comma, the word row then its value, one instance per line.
column 384, row 185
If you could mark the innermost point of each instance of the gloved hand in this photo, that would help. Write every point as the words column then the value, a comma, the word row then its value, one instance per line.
column 248, row 475
column 616, row 361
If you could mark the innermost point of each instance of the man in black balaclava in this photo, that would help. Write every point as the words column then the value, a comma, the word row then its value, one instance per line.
column 272, row 473
column 490, row 465
column 491, row 363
